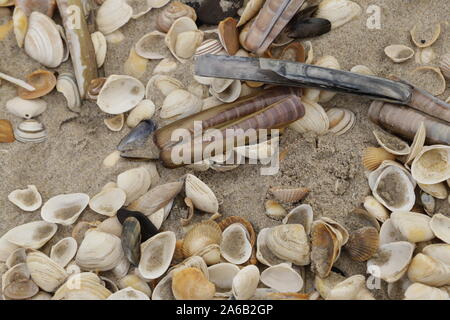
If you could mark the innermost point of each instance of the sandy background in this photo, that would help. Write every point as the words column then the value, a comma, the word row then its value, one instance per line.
column 71, row 158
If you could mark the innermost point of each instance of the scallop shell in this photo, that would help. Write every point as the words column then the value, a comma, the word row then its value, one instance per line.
column 375, row 209
column 391, row 143
column 373, row 157
column 46, row 273
column 43, row 41
column 325, row 248
column 363, row 244
column 200, row 194
column 20, row 23
column 135, row 182
column 245, row 283
column 149, row 46
column 391, row 261
column 251, row 10
column 399, row 53
column 26, row 108
column 315, row 119
column 28, row 199
column 99, row 251
column 338, row 12
column 67, row 85
column 64, row 251
column 425, row 36
column 282, row 278
column 429, row 271
column 115, row 123
column 222, row 275
column 440, row 225
column 31, row 235
column 112, row 15
column 64, row 208
column 274, row 210
column 209, row 46
column 289, row 194
column 135, row 66
column 191, row 284
column 418, row 291
column 172, row 12
column 183, row 38
column 143, row 111
column 432, row 165
column 201, row 235
column 108, row 201
column 156, row 255
column 179, row 104
column 341, row 120
column 235, row 245
column 100, row 47
column 445, row 65
column 290, row 243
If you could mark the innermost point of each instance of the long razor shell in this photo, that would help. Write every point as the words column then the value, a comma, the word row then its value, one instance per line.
column 80, row 43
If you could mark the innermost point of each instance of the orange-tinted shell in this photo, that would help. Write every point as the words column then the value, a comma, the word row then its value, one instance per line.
column 42, row 80
column 6, row 132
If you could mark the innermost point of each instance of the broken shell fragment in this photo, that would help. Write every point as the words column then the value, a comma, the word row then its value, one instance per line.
column 30, row 131
column 108, row 201
column 64, row 251
column 149, row 46
column 100, row 47
column 399, row 53
column 289, row 194
column 290, row 243
column 440, row 225
column 373, row 157
column 166, row 65
column 26, row 109
column 282, row 278
column 235, row 246
column 6, row 132
column 67, row 85
column 172, row 12
column 64, row 208
column 28, row 199
column 135, row 65
column 191, row 284
column 201, row 195
column 245, row 282
column 338, row 12
column 425, row 36
column 418, row 143
column 432, row 165
column 363, row 244
column 112, row 15
column 156, row 254
column 274, row 210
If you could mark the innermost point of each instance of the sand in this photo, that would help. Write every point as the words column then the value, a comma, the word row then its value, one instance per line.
column 71, row 158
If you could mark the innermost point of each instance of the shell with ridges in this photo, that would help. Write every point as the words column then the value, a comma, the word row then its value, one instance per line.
column 200, row 236
column 179, row 104
column 363, row 244
column 373, row 157
column 46, row 273
column 200, row 194
column 67, row 85
column 341, row 120
column 289, row 242
column 135, row 182
column 286, row 194
column 148, row 46
column 191, row 284
column 245, row 282
column 315, row 119
column 30, row 130
column 112, row 15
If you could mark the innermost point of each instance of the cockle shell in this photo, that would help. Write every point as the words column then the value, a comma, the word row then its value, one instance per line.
column 282, row 278
column 99, row 251
column 143, row 111
column 120, row 94
column 165, row 84
column 440, row 225
column 315, row 119
column 235, row 245
column 128, row 294
column 391, row 260
column 425, row 36
column 429, row 271
column 191, row 284
column 108, row 201
column 28, row 199
column 183, row 38
column 289, row 194
column 67, row 85
column 338, row 12
column 149, row 46
column 82, row 286
column 399, row 53
column 43, row 41
column 46, row 273
column 156, row 255
column 290, row 243
column 20, row 23
column 64, row 208
column 391, row 143
column 115, row 123
column 179, row 104
column 200, row 236
column 200, row 194
column 263, row 253
column 32, row 235
column 373, row 157
column 64, row 251
column 375, row 208
column 100, row 47
column 414, row 227
column 341, row 120
column 30, row 131
column 26, row 108
column 245, row 282
column 363, row 244
column 112, row 15
column 432, row 165
column 418, row 291
column 172, row 12
column 135, row 182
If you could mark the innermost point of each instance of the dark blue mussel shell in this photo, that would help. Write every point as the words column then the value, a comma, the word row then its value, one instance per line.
column 308, row 28
column 137, row 137
column 148, row 230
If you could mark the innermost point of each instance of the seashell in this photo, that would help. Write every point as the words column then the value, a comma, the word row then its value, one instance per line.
column 438, row 252
column 391, row 261
column 16, row 257
column 425, row 56
column 428, row 203
column 235, row 246
column 228, row 35
column 6, row 249
column 339, row 230
column 156, row 254
column 100, row 47
column 341, row 120
column 219, row 85
column 111, row 225
column 430, row 79
column 338, row 12
column 41, row 295
column 390, row 233
column 157, row 3
column 394, row 189
column 143, row 111
column 352, row 288
column 179, row 104
column 183, row 38
column 6, row 132
column 325, row 248
column 46, row 7
column 30, row 131
column 122, row 268
column 264, row 151
column 67, row 85
column 32, row 235
column 135, row 182
column 120, row 94
column 112, row 15
column 418, row 291
column 251, row 10
column 209, row 46
column 375, row 209
column 303, row 214
column 166, row 65
column 6, row 3
column 201, row 195
column 201, row 235
column 20, row 290
column 99, row 251
column 172, row 12
column 315, row 119
column 210, row 254
column 191, row 284
column 363, row 219
column 43, row 81
column 437, row 190
column 64, row 208
column 135, row 66
column 80, row 229
column 149, row 46
column 361, row 69
column 13, row 276
column 440, row 225
column 64, row 251
column 163, row 83
column 293, row 52
column 399, row 53
column 391, row 143
column 423, row 36
column 230, row 94
column 136, row 283
column 289, row 194
column 27, row 199
column 282, row 278
column 374, row 175
column 274, row 210
column 156, row 198
column 417, row 144
column 94, row 88
column 82, row 286
column 138, row 137
column 431, row 165
column 363, row 244
column 43, row 42
column 245, row 282
column 112, row 159
column 46, row 273
column 26, row 109
column 115, row 123
column 115, row 37
column 223, row 224
column 373, row 157
column 289, row 242
column 131, row 239
column 429, row 271
column 139, row 7
column 128, row 294
column 20, row 23
column 163, row 290
column 108, row 201
column 192, row 262
column 222, row 275
column 445, row 65
column 263, row 253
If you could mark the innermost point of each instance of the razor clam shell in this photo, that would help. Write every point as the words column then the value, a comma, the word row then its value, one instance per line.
column 67, row 85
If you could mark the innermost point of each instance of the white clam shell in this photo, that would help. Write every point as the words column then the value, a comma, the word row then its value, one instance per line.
column 391, row 261
column 82, row 286
column 43, row 41
column 245, row 282
column 64, row 208
column 201, row 195
column 30, row 131
column 230, row 94
column 222, row 275
column 390, row 233
column 432, row 165
column 376, row 209
column 352, row 288
column 235, row 246
column 186, row 44
column 46, row 273
column 6, row 248
column 135, row 182
column 64, row 251
column 157, row 3
column 429, row 271
column 31, row 235
column 338, row 12
column 115, row 37
column 437, row 190
column 166, row 65
column 143, row 111
column 282, row 278
column 67, row 85
column 440, row 225
column 419, row 291
column 122, row 268
column 149, row 46
column 302, row 214
column 163, row 290
column 315, row 119
column 111, row 225
column 415, row 227
column 391, row 143
column 438, row 251
column 128, row 294
column 361, row 69
column 263, row 253
column 108, row 201
column 136, row 282
column 120, row 94
column 163, row 83
column 399, row 53
column 180, row 104
column 26, row 109
column 156, row 254
column 341, row 120
column 99, row 251
column 100, row 47
column 289, row 242
column 27, row 199
column 20, row 23
column 112, row 15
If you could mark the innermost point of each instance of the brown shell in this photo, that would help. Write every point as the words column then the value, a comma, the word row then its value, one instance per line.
column 293, row 52
column 324, row 248
column 363, row 244
column 6, row 132
column 364, row 219
column 172, row 12
column 94, row 87
column 228, row 35
column 42, row 80
column 201, row 235
column 373, row 157
column 289, row 194
column 191, row 284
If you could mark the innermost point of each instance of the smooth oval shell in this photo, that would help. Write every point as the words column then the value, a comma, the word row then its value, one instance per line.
column 64, row 251
column 341, row 120
column 67, row 85
column 445, row 65
column 27, row 199
column 173, row 39
column 149, row 46
column 135, row 182
column 429, row 271
column 108, row 201
column 222, row 275
column 156, row 254
column 42, row 80
column 391, row 143
column 245, row 282
column 425, row 36
column 440, row 225
column 432, row 165
column 6, row 132
column 415, row 227
column 419, row 291
column 32, row 235
column 128, row 294
column 235, row 245
column 65, row 208
column 26, row 108
column 399, row 53
column 46, row 273
column 115, row 123
column 263, row 253
column 282, row 278
column 180, row 103
column 315, row 119
column 338, row 12
column 201, row 195
column 100, row 47
column 112, row 15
